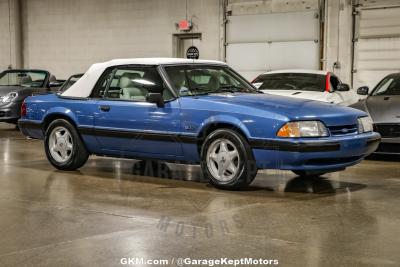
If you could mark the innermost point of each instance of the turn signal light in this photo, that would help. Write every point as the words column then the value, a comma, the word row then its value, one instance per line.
column 303, row 129
column 290, row 129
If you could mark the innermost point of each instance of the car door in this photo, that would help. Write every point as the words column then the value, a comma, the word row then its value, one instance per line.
column 125, row 123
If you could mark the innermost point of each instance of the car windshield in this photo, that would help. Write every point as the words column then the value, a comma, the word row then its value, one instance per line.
column 189, row 80
column 73, row 79
column 388, row 86
column 291, row 81
column 23, row 78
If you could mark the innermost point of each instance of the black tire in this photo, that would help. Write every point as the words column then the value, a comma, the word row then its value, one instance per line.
column 79, row 154
column 308, row 174
column 247, row 169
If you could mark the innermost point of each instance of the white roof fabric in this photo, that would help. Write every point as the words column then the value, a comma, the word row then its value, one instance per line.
column 84, row 86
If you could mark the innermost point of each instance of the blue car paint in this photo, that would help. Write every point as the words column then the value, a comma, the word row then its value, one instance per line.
column 257, row 116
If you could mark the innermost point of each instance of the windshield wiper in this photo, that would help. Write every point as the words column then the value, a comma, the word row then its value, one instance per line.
column 235, row 89
column 229, row 88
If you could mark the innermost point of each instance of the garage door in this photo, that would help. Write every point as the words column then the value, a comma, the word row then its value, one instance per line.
column 261, row 42
column 377, row 49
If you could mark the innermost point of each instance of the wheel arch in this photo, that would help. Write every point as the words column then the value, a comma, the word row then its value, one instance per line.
column 221, row 123
column 51, row 116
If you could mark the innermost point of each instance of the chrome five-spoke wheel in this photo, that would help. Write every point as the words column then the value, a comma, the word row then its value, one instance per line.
column 223, row 160
column 61, row 144
column 227, row 159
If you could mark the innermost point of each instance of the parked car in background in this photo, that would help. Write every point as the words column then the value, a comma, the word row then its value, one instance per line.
column 194, row 111
column 383, row 105
column 16, row 85
column 308, row 84
column 69, row 82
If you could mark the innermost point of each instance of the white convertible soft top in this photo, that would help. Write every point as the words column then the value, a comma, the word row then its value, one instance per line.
column 84, row 86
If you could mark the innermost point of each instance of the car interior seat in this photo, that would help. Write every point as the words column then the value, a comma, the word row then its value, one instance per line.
column 128, row 89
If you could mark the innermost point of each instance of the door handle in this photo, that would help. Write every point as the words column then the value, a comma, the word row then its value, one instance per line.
column 105, row 108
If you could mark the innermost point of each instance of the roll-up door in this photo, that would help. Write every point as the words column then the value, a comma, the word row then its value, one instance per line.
column 257, row 43
column 377, row 46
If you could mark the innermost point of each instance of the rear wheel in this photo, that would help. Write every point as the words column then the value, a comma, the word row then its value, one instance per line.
column 227, row 160
column 64, row 147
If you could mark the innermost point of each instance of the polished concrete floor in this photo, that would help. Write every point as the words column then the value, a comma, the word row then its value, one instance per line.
column 113, row 209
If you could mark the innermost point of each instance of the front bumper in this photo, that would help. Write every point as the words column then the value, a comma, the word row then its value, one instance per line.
column 10, row 112
column 324, row 154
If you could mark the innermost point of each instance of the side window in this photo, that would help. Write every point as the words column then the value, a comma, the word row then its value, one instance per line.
column 135, row 83
column 384, row 86
column 334, row 82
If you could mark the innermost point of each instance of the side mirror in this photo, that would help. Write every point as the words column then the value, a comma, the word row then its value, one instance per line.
column 156, row 98
column 342, row 87
column 363, row 90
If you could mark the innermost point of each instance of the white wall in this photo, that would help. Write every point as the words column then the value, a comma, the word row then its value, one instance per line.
column 66, row 37
column 10, row 50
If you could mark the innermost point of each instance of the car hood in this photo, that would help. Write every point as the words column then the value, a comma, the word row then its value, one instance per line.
column 292, row 108
column 384, row 109
column 311, row 95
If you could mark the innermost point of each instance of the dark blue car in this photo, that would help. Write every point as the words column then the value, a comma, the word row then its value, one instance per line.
column 194, row 112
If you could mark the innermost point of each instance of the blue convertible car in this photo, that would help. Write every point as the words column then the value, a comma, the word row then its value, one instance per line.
column 195, row 112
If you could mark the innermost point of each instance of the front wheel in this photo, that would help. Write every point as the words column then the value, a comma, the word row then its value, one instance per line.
column 64, row 147
column 227, row 160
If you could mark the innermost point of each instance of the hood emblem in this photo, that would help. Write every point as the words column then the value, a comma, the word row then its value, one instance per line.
column 345, row 130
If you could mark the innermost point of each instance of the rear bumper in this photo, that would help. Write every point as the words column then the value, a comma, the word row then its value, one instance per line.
column 31, row 128
column 324, row 154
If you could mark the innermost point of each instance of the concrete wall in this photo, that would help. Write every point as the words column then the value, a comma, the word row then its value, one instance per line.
column 10, row 43
column 66, row 37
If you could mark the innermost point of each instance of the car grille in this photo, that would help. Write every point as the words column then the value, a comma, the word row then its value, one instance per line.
column 343, row 129
column 388, row 130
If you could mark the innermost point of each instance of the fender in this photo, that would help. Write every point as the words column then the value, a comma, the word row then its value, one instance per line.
column 224, row 119
column 54, row 111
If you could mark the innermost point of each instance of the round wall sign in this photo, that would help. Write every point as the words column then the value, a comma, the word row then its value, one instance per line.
column 192, row 53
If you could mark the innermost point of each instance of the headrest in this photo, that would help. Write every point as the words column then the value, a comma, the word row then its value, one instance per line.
column 26, row 79
column 126, row 79
column 52, row 78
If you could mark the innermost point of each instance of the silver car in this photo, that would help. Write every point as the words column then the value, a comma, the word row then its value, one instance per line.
column 16, row 85
column 383, row 104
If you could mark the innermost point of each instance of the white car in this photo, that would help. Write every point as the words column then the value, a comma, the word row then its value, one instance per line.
column 308, row 84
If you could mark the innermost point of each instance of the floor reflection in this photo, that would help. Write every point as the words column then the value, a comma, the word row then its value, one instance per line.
column 320, row 185
column 278, row 181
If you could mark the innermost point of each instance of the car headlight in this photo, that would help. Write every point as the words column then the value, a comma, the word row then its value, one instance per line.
column 365, row 125
column 303, row 129
column 9, row 97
